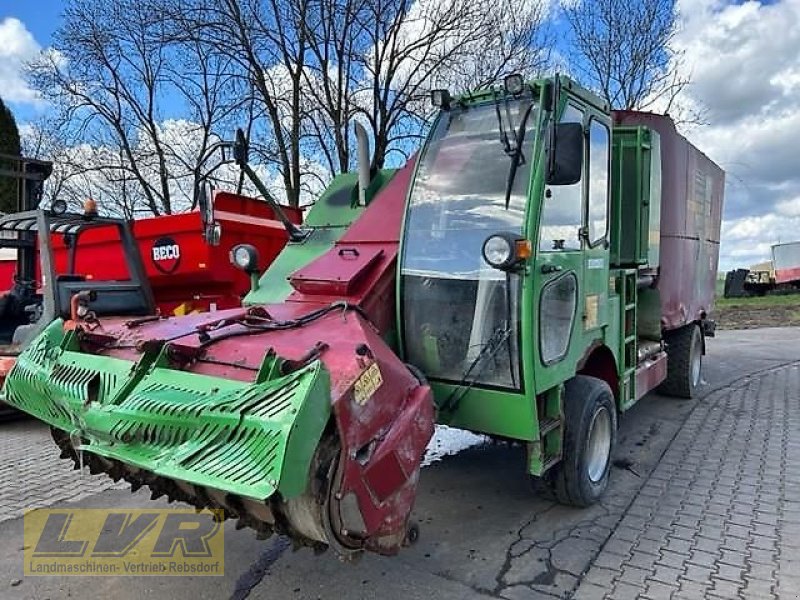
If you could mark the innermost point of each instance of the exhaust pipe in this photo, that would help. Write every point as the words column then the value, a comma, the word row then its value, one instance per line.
column 363, row 163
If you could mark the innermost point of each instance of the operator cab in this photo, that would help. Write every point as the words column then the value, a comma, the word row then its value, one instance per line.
column 460, row 314
column 494, row 215
column 18, row 303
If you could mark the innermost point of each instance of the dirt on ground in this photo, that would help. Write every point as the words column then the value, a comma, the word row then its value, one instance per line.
column 752, row 313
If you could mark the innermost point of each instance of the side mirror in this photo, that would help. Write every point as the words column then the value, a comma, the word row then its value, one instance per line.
column 241, row 149
column 205, row 204
column 567, row 162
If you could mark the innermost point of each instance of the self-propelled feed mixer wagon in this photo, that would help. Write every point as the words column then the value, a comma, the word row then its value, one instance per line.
column 539, row 267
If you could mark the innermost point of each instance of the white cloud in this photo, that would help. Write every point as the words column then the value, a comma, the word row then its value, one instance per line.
column 749, row 240
column 744, row 62
column 790, row 208
column 17, row 46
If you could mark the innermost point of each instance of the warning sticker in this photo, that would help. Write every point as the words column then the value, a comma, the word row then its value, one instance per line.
column 592, row 309
column 367, row 384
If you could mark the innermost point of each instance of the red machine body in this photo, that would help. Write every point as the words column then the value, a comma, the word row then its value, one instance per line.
column 381, row 437
column 186, row 272
column 692, row 188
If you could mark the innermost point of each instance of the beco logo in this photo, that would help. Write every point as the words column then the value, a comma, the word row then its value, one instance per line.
column 123, row 542
column 166, row 255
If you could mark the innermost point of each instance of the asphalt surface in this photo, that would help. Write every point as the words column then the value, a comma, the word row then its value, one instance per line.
column 484, row 533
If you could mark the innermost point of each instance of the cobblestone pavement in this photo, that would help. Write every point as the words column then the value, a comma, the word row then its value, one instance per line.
column 33, row 477
column 720, row 515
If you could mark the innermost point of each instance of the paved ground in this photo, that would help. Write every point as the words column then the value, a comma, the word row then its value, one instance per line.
column 33, row 477
column 705, row 500
column 720, row 515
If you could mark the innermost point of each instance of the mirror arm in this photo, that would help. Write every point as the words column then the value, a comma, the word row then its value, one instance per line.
column 295, row 233
column 212, row 149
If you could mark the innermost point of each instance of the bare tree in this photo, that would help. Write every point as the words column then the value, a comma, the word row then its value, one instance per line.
column 335, row 32
column 623, row 50
column 296, row 72
column 116, row 76
column 82, row 171
column 263, row 43
column 315, row 65
column 461, row 44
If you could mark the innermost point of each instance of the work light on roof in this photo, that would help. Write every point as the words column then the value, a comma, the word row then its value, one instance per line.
column 514, row 84
column 440, row 99
column 58, row 207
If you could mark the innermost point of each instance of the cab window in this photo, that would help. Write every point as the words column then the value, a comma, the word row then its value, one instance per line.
column 562, row 209
column 599, row 140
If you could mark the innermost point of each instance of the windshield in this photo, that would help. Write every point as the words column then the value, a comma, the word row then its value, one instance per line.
column 459, row 194
column 459, row 314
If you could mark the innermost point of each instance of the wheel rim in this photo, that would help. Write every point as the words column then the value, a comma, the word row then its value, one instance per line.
column 697, row 364
column 598, row 446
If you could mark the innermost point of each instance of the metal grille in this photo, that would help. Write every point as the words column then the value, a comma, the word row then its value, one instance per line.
column 222, row 434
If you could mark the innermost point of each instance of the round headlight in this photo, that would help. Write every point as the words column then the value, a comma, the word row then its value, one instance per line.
column 245, row 257
column 498, row 251
column 241, row 257
column 58, row 207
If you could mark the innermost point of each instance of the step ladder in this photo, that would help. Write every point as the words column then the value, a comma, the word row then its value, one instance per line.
column 627, row 286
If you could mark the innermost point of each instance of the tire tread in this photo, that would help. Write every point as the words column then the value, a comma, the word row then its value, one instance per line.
column 565, row 479
column 679, row 363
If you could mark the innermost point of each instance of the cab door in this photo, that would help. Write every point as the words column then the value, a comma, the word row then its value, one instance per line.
column 558, row 273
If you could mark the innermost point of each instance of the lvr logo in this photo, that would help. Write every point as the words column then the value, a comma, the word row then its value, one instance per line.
column 166, row 255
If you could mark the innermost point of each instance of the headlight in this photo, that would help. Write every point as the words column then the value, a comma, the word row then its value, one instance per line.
column 245, row 257
column 497, row 251
column 505, row 250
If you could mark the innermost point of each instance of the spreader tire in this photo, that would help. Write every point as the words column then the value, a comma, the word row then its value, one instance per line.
column 9, row 413
column 684, row 362
column 590, row 434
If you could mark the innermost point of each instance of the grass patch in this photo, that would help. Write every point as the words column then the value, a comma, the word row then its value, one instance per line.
column 759, row 301
column 758, row 311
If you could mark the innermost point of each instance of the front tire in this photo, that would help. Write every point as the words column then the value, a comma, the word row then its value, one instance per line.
column 9, row 413
column 590, row 435
column 684, row 362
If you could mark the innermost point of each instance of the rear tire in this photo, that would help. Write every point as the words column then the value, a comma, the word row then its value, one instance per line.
column 684, row 362
column 9, row 413
column 590, row 435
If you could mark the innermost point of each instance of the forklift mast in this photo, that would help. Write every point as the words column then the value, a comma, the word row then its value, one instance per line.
column 30, row 175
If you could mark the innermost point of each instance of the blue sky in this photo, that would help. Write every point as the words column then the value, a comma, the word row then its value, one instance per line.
column 40, row 16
